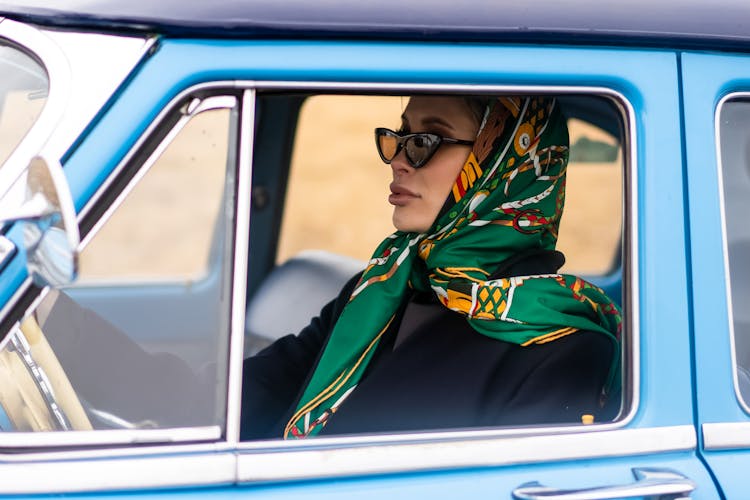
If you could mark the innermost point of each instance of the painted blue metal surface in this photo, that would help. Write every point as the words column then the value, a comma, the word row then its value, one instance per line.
column 707, row 78
column 667, row 23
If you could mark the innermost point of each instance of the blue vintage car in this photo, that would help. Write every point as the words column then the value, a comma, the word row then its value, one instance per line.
column 176, row 172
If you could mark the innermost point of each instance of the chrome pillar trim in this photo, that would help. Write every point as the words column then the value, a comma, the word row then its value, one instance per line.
column 36, row 44
column 631, row 341
column 25, row 440
column 110, row 474
column 144, row 451
column 726, row 435
column 84, row 69
column 745, row 405
column 239, row 285
column 99, row 64
column 323, row 462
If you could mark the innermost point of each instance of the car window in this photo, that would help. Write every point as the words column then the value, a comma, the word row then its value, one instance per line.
column 337, row 211
column 734, row 131
column 141, row 343
column 23, row 92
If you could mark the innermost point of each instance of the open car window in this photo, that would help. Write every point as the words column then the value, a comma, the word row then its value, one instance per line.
column 336, row 210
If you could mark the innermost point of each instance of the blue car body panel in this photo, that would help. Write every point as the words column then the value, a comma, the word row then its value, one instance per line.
column 707, row 79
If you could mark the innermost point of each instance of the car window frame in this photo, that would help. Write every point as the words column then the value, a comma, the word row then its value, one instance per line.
column 252, row 468
column 734, row 95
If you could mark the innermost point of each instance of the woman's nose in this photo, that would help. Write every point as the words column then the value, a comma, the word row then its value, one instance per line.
column 400, row 164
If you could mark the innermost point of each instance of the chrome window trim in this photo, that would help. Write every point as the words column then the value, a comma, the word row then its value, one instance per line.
column 321, row 462
column 631, row 355
column 115, row 437
column 745, row 405
column 52, row 59
column 726, row 435
column 239, row 274
column 62, row 56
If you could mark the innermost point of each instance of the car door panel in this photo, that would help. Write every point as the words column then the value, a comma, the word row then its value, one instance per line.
column 725, row 425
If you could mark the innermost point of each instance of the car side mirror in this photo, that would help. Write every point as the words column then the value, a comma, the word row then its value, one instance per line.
column 50, row 233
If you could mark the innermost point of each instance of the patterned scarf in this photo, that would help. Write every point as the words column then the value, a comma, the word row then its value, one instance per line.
column 508, row 198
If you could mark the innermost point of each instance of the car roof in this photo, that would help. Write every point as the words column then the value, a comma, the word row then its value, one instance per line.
column 668, row 23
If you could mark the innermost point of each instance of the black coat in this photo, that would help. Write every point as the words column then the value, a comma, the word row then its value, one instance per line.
column 442, row 375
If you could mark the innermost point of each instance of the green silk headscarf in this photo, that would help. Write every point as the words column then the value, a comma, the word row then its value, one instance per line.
column 508, row 198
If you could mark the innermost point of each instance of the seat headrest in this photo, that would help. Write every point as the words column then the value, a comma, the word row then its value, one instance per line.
column 293, row 293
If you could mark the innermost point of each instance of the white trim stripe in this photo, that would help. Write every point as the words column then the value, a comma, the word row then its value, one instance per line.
column 726, row 435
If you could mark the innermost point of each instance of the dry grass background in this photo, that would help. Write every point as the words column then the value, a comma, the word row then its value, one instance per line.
column 337, row 197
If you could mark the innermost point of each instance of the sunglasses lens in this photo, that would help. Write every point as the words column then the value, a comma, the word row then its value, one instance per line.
column 388, row 145
column 420, row 148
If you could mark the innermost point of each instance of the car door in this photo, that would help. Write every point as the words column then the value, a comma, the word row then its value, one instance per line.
column 715, row 88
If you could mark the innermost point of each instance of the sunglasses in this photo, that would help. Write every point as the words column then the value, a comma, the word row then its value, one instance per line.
column 418, row 148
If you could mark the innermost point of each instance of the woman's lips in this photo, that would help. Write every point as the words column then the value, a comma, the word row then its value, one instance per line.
column 400, row 196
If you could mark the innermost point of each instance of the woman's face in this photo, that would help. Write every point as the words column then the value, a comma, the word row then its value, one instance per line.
column 417, row 195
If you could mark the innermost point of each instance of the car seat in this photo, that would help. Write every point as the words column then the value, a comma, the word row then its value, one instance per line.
column 293, row 293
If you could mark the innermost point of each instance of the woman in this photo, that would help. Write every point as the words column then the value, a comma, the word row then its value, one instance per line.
column 460, row 319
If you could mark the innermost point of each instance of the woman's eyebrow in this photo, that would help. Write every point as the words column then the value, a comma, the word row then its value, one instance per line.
column 430, row 120
column 436, row 120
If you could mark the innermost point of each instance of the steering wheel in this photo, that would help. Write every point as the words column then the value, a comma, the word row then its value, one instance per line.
column 35, row 392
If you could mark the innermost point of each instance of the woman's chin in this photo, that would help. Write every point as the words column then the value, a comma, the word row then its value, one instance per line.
column 408, row 223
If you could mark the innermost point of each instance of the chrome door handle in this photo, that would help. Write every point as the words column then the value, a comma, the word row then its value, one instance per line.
column 651, row 482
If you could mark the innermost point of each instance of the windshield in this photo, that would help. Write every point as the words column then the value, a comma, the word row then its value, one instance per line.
column 23, row 91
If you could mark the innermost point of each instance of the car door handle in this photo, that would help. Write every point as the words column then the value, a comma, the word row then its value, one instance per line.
column 651, row 482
